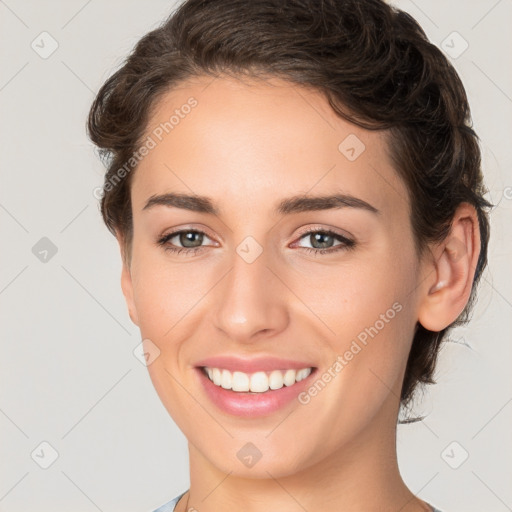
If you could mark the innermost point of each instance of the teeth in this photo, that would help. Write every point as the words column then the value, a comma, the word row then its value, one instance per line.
column 217, row 376
column 275, row 380
column 258, row 382
column 226, row 379
column 240, row 382
column 289, row 377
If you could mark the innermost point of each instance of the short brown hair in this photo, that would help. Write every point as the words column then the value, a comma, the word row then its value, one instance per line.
column 376, row 68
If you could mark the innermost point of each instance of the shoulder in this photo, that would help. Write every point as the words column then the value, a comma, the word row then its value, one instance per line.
column 169, row 506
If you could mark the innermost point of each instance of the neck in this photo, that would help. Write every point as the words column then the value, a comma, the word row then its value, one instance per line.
column 361, row 475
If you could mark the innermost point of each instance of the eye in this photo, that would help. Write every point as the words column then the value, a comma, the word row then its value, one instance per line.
column 190, row 239
column 323, row 240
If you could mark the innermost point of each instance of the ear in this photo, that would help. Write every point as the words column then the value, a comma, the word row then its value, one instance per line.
column 126, row 280
column 446, row 290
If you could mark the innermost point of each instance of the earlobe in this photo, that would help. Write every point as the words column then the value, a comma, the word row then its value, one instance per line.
column 448, row 287
column 126, row 283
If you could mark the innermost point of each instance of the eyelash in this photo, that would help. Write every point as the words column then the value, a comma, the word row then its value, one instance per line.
column 346, row 244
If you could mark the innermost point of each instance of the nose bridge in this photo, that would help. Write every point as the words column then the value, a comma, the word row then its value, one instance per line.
column 248, row 302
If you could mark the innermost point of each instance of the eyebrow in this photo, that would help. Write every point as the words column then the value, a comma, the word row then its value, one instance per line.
column 295, row 204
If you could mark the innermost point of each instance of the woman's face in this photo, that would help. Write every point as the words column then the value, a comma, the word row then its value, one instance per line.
column 258, row 288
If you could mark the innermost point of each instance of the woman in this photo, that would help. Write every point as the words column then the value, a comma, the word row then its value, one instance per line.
column 297, row 195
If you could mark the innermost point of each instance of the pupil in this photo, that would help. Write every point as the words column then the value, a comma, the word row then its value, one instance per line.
column 189, row 237
column 319, row 237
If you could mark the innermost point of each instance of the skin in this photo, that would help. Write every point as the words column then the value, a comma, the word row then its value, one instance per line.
column 248, row 145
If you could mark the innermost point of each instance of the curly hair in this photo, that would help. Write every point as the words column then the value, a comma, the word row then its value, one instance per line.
column 374, row 65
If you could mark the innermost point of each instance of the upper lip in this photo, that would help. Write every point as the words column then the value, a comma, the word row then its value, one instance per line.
column 233, row 363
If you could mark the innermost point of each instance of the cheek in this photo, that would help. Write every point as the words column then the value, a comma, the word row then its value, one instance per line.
column 164, row 294
column 360, row 294
column 371, row 317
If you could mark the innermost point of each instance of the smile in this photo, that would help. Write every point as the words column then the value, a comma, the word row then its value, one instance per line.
column 258, row 382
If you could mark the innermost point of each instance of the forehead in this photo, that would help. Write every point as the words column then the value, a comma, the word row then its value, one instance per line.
column 249, row 142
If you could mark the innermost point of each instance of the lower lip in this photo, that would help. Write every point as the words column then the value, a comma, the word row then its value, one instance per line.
column 251, row 405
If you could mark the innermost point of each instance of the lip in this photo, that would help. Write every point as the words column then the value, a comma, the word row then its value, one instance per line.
column 255, row 364
column 251, row 405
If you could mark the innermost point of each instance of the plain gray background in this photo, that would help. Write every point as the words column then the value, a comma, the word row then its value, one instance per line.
column 69, row 377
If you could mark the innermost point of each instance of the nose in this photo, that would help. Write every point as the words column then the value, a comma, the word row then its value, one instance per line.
column 251, row 301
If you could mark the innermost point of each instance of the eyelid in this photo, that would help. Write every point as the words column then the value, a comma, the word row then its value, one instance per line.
column 324, row 229
column 177, row 231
